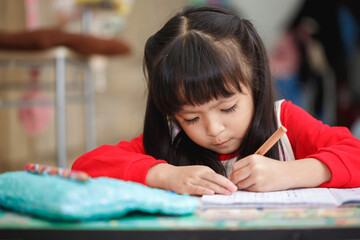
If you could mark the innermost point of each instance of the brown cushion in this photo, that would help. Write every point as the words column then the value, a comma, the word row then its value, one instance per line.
column 48, row 38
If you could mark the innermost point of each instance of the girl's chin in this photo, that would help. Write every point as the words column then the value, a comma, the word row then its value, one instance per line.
column 226, row 148
column 225, row 151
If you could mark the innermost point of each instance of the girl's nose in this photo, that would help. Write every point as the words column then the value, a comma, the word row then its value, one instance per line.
column 214, row 128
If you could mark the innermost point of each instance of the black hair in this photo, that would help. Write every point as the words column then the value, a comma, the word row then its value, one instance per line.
column 200, row 54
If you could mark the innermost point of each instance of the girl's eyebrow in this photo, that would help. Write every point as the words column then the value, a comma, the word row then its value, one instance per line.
column 221, row 101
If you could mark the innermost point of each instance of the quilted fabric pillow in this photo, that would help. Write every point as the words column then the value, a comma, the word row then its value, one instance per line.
column 58, row 198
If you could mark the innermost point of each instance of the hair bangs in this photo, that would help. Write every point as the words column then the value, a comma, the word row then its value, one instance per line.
column 195, row 71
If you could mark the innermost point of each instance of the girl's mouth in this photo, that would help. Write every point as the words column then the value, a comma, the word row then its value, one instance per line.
column 222, row 144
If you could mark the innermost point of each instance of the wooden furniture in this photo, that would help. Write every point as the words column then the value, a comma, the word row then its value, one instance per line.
column 58, row 58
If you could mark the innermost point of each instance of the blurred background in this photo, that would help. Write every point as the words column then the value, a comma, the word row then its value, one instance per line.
column 96, row 48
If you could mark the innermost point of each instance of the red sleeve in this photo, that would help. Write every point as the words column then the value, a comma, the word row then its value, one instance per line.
column 126, row 161
column 334, row 146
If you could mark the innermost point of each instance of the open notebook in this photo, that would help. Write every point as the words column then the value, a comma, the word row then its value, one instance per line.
column 295, row 197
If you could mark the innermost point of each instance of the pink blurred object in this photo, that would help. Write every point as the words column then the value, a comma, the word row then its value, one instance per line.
column 32, row 14
column 35, row 118
column 285, row 59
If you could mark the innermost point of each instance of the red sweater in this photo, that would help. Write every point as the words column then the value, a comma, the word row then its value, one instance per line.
column 309, row 138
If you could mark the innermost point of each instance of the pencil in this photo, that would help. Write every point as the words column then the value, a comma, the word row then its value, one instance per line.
column 61, row 172
column 271, row 141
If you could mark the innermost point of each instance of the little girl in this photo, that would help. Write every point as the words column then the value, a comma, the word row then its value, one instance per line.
column 210, row 106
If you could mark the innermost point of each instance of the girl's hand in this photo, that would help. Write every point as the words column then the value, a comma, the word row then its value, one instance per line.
column 261, row 174
column 193, row 180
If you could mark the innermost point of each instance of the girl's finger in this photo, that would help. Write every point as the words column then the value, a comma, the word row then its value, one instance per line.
column 252, row 188
column 240, row 175
column 199, row 190
column 213, row 186
column 245, row 184
column 220, row 181
column 240, row 164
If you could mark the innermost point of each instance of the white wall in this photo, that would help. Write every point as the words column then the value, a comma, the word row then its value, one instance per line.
column 268, row 16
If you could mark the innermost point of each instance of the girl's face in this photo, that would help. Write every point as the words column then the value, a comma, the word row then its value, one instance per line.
column 220, row 124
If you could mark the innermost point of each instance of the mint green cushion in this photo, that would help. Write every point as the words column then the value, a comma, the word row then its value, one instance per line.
column 58, row 198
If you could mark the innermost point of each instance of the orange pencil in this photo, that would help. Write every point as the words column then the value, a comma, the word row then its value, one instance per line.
column 271, row 141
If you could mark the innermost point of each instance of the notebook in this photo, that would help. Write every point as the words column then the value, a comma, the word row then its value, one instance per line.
column 294, row 197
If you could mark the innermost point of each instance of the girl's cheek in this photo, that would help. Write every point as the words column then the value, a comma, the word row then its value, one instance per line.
column 194, row 133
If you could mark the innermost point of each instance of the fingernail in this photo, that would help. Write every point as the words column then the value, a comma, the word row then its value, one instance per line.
column 210, row 192
column 228, row 192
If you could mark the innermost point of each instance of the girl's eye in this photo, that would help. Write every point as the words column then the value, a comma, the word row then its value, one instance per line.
column 230, row 109
column 191, row 121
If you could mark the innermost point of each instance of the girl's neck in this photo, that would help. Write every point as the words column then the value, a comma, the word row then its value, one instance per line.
column 223, row 157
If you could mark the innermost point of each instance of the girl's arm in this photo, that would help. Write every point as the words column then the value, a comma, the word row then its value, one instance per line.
column 126, row 161
column 335, row 147
column 326, row 157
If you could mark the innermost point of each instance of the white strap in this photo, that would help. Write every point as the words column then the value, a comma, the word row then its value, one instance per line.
column 288, row 154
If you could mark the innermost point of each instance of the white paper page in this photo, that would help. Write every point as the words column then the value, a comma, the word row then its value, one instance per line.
column 306, row 197
column 347, row 195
